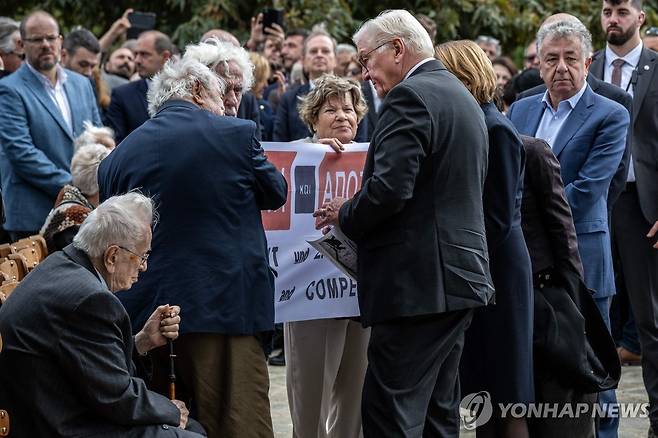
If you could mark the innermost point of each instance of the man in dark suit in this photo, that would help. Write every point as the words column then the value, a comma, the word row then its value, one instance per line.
column 587, row 133
column 319, row 58
column 211, row 178
column 626, row 63
column 66, row 368
column 42, row 110
column 418, row 222
column 128, row 106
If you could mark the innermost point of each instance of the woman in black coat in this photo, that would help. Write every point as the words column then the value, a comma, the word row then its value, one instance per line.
column 497, row 355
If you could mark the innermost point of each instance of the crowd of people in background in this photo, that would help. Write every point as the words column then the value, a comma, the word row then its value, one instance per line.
column 538, row 181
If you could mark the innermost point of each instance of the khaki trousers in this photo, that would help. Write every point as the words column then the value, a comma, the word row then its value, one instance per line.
column 325, row 366
column 227, row 381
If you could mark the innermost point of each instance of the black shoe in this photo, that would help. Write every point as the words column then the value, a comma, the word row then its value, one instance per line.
column 278, row 360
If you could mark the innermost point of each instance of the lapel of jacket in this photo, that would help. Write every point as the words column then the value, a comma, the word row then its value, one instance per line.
column 71, row 93
column 598, row 64
column 574, row 122
column 532, row 115
column 645, row 74
column 35, row 86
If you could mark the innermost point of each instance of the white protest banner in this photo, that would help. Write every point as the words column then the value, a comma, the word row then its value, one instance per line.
column 307, row 286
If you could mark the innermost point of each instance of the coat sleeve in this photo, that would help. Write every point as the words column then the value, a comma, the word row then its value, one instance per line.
column 405, row 126
column 502, row 183
column 270, row 185
column 546, row 183
column 28, row 161
column 93, row 352
column 605, row 154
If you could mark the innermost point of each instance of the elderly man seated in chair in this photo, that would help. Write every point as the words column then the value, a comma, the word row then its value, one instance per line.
column 66, row 368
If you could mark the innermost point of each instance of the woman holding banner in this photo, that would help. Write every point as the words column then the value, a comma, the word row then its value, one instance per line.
column 326, row 358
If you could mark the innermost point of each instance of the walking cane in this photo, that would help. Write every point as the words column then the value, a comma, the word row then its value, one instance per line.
column 172, row 372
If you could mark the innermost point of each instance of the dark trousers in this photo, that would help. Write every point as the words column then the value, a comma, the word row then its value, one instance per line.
column 15, row 236
column 411, row 388
column 639, row 263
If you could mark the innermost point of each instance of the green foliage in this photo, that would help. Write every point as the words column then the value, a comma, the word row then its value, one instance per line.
column 514, row 22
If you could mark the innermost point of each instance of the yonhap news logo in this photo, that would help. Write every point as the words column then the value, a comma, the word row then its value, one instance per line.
column 475, row 410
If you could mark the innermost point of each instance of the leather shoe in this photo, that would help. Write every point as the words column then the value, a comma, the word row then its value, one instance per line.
column 628, row 357
column 278, row 360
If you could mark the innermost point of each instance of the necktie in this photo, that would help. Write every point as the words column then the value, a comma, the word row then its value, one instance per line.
column 616, row 71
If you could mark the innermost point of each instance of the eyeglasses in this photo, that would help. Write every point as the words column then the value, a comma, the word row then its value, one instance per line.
column 652, row 31
column 37, row 40
column 363, row 59
column 530, row 58
column 142, row 258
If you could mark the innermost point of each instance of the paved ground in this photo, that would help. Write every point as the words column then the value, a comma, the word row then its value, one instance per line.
column 631, row 390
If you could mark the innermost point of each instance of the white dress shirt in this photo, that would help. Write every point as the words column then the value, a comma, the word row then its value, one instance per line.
column 56, row 92
column 632, row 59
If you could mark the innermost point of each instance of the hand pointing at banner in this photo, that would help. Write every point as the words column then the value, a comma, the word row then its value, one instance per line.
column 328, row 213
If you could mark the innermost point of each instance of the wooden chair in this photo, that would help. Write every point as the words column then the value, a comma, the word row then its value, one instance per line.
column 5, row 250
column 33, row 248
column 4, row 423
column 8, row 287
column 14, row 267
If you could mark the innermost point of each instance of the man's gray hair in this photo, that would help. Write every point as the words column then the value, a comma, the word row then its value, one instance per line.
column 566, row 29
column 177, row 79
column 84, row 167
column 120, row 220
column 345, row 48
column 213, row 52
column 92, row 134
column 396, row 23
column 8, row 28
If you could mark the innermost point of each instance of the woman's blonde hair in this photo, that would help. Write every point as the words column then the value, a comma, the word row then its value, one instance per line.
column 261, row 72
column 470, row 64
column 326, row 87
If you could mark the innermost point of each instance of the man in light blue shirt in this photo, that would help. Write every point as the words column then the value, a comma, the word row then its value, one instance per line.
column 587, row 133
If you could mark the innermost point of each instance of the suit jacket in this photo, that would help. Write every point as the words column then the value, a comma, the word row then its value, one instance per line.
column 128, row 108
column 249, row 110
column 644, row 127
column 66, row 367
column 615, row 93
column 418, row 218
column 37, row 144
column 545, row 213
column 589, row 146
column 371, row 116
column 288, row 126
column 210, row 179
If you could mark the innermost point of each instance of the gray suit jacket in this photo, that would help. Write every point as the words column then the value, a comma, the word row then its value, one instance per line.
column 66, row 367
column 418, row 218
column 644, row 127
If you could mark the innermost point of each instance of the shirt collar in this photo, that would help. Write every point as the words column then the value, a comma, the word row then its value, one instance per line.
column 632, row 57
column 415, row 67
column 572, row 101
column 61, row 76
column 103, row 282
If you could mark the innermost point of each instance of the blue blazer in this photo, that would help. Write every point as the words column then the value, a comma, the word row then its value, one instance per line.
column 128, row 108
column 210, row 181
column 37, row 144
column 590, row 147
column 288, row 126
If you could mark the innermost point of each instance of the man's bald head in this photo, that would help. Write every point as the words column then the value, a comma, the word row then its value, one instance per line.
column 221, row 35
column 561, row 16
column 36, row 15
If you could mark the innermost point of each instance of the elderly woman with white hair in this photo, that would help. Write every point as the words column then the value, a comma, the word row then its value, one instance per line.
column 76, row 200
column 95, row 135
